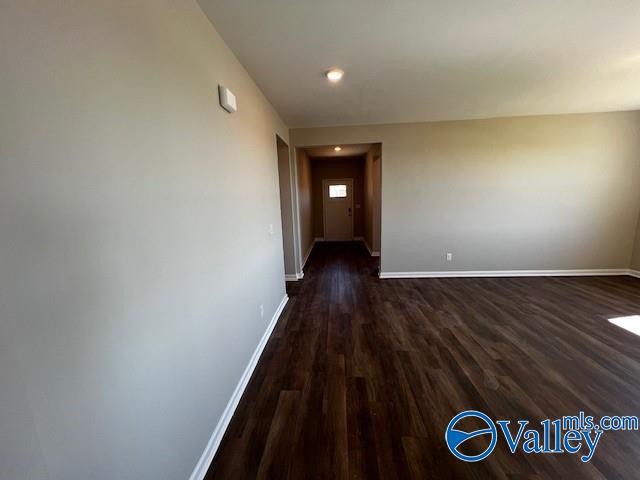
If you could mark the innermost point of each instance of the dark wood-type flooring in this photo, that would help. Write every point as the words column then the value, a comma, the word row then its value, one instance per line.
column 361, row 376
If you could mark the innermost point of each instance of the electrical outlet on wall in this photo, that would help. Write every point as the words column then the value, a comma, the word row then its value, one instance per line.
column 271, row 229
column 262, row 310
column 449, row 257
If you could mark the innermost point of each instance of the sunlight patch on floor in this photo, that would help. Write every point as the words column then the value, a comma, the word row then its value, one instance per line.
column 630, row 323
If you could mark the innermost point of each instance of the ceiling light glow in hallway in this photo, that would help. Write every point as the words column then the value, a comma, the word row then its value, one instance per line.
column 335, row 75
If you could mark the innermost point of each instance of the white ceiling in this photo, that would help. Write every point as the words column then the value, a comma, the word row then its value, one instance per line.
column 417, row 60
column 327, row 151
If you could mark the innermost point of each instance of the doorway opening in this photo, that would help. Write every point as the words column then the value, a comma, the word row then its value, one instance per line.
column 339, row 196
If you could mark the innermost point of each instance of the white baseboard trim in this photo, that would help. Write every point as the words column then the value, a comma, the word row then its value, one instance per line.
column 508, row 273
column 293, row 277
column 214, row 442
column 306, row 255
column 634, row 273
column 364, row 240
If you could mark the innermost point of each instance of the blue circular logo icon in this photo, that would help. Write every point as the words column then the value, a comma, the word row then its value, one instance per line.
column 455, row 437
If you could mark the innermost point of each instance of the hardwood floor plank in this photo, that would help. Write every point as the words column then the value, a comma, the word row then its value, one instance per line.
column 281, row 440
column 362, row 445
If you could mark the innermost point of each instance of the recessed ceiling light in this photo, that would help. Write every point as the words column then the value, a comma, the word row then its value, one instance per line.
column 334, row 75
column 337, row 149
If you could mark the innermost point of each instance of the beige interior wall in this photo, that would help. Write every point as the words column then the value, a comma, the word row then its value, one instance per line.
column 305, row 202
column 372, row 197
column 635, row 260
column 527, row 193
column 368, row 198
column 134, row 236
column 336, row 168
column 286, row 207
column 376, row 171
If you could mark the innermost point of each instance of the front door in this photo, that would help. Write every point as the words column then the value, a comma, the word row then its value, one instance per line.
column 337, row 199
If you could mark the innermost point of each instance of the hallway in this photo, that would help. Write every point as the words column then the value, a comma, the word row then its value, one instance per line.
column 361, row 376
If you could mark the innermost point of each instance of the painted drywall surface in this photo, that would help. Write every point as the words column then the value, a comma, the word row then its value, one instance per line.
column 376, row 151
column 427, row 60
column 368, row 198
column 635, row 259
column 338, row 168
column 548, row 192
column 372, row 197
column 134, row 239
column 286, row 208
column 305, row 202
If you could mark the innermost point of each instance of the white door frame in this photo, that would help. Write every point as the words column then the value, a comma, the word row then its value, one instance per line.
column 325, row 185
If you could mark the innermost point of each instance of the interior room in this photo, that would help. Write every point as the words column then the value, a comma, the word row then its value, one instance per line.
column 319, row 240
